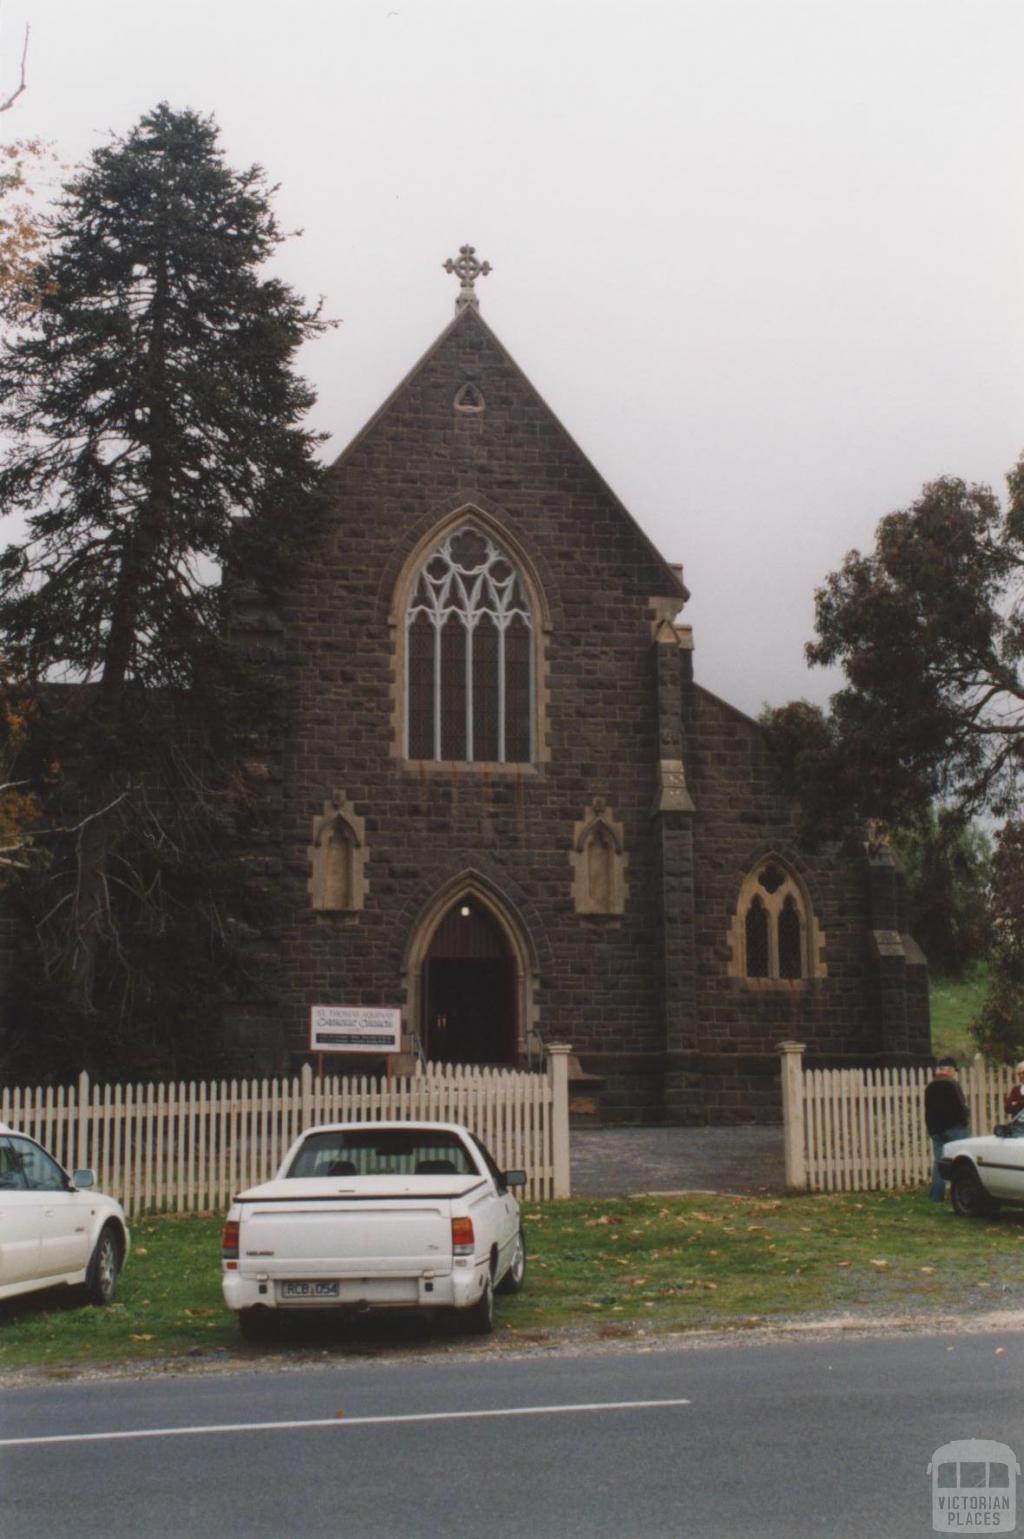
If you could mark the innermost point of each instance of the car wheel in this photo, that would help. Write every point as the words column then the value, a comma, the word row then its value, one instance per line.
column 258, row 1323
column 478, row 1320
column 968, row 1195
column 104, row 1267
column 514, row 1278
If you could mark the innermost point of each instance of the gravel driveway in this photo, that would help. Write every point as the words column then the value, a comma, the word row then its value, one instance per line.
column 615, row 1162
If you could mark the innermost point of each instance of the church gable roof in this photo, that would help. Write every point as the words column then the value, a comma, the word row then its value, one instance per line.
column 670, row 582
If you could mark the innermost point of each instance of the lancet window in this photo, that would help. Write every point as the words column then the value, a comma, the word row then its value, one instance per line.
column 775, row 936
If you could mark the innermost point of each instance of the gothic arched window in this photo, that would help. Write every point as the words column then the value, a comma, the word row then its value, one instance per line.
column 469, row 641
column 774, row 936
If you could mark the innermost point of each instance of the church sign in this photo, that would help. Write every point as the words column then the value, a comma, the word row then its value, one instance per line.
column 355, row 1029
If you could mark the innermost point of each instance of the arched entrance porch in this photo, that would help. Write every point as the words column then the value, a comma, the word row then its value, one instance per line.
column 469, row 979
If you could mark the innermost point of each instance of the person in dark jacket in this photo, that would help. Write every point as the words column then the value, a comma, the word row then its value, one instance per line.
column 945, row 1112
column 1015, row 1095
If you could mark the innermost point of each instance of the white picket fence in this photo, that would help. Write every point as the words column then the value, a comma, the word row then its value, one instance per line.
column 189, row 1147
column 860, row 1130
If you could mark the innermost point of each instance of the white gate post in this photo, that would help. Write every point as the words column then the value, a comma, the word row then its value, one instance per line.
column 558, row 1073
column 82, row 1111
column 793, row 1114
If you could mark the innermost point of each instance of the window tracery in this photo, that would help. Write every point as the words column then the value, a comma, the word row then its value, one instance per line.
column 469, row 651
column 774, row 936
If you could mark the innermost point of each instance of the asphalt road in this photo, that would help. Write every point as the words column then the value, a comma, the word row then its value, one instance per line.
column 830, row 1438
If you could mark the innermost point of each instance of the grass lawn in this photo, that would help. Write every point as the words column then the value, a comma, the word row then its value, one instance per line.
column 955, row 1003
column 610, row 1268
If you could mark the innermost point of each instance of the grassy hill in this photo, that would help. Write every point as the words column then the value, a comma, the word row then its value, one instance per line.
column 955, row 1003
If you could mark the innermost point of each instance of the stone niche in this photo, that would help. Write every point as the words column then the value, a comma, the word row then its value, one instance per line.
column 337, row 856
column 599, row 861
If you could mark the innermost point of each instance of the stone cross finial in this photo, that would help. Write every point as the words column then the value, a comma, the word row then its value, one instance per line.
column 467, row 269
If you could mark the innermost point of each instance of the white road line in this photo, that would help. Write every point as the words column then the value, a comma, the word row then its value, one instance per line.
column 341, row 1420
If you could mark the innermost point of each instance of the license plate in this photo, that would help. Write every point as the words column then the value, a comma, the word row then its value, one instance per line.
column 309, row 1290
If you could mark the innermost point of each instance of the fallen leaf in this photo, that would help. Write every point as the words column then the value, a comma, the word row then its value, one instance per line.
column 879, row 1265
column 141, row 1338
column 844, row 1263
column 929, row 1271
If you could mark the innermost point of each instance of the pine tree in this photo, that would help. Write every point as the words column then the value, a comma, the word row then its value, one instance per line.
column 157, row 452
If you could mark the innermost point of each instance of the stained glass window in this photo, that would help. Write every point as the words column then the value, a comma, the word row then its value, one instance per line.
column 486, row 646
column 757, row 940
column 518, row 656
column 469, row 676
column 453, row 689
column 421, row 688
column 789, row 940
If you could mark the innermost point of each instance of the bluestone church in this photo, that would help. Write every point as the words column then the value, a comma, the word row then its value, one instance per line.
column 508, row 807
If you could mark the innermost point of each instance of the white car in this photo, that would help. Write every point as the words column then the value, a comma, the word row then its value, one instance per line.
column 987, row 1171
column 383, row 1215
column 54, row 1228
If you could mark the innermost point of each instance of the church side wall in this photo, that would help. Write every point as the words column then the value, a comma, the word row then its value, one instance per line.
column 739, row 820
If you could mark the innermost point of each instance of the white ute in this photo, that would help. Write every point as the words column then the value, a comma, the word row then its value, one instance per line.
column 382, row 1215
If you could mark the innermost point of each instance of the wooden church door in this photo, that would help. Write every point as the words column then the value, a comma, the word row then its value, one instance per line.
column 469, row 990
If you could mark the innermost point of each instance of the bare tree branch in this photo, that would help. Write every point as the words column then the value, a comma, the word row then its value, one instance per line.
column 10, row 100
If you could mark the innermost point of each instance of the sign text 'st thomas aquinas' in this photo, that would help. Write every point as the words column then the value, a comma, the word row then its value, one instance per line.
column 355, row 1029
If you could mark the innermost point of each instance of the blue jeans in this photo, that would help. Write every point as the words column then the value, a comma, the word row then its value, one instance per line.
column 937, row 1190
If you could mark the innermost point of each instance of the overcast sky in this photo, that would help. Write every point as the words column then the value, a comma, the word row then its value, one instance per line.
column 764, row 258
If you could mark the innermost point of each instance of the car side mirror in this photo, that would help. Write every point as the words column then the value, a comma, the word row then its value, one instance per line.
column 1002, row 1130
column 83, row 1178
column 515, row 1178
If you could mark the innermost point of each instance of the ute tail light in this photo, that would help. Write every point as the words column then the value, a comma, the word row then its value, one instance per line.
column 229, row 1243
column 462, row 1236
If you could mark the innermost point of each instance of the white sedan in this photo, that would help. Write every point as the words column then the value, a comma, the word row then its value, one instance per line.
column 54, row 1228
column 987, row 1171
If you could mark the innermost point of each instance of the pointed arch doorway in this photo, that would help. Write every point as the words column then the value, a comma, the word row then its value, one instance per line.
column 469, row 988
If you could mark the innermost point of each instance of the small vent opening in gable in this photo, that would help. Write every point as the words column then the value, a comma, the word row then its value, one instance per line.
column 469, row 400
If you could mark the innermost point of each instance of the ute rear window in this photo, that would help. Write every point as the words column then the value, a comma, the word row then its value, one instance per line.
column 373, row 1153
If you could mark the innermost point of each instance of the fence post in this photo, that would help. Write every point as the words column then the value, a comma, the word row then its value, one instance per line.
column 81, row 1113
column 558, row 1073
column 306, row 1090
column 793, row 1114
